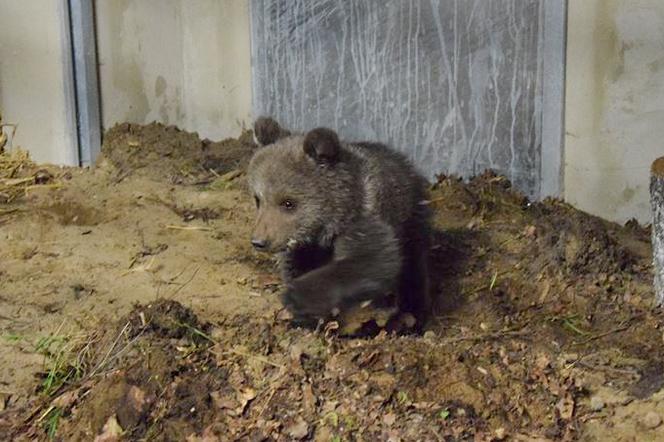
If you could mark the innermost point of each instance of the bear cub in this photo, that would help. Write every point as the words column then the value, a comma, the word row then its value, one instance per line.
column 348, row 221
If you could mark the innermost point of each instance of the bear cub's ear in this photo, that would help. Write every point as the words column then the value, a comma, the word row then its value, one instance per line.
column 322, row 145
column 268, row 131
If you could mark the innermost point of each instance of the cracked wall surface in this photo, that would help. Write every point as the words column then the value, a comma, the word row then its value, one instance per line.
column 456, row 84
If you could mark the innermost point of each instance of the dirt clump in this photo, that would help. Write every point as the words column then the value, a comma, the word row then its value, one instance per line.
column 167, row 319
column 19, row 175
column 168, row 152
column 578, row 243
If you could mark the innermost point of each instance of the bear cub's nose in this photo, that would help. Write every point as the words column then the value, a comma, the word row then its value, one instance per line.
column 259, row 244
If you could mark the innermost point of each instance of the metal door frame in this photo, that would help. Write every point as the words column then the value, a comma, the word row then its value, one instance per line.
column 82, row 79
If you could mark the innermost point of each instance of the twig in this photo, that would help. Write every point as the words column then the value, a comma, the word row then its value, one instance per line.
column 172, row 279
column 142, row 268
column 188, row 228
column 601, row 335
column 43, row 186
column 16, row 181
column 267, row 402
column 567, row 322
column 103, row 361
column 492, row 283
column 122, row 350
column 45, row 413
column 256, row 357
column 607, row 368
column 184, row 284
column 435, row 200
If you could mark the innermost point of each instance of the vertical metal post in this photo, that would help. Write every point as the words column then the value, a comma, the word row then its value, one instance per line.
column 69, row 87
column 553, row 100
column 84, row 49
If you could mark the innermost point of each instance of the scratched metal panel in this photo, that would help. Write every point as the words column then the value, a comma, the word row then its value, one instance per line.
column 456, row 84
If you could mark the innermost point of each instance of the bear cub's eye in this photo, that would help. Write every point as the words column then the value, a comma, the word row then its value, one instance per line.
column 288, row 204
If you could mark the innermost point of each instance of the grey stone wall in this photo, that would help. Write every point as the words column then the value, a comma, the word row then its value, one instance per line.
column 456, row 84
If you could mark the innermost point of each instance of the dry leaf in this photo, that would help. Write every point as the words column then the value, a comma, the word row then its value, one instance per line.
column 136, row 398
column 245, row 396
column 111, row 431
column 284, row 315
column 309, row 398
column 296, row 352
column 65, row 399
column 565, row 406
column 299, row 430
column 222, row 402
column 543, row 361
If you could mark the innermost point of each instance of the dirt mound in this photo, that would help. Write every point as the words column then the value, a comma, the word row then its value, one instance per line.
column 166, row 319
column 578, row 243
column 168, row 152
column 562, row 237
column 163, row 377
column 544, row 327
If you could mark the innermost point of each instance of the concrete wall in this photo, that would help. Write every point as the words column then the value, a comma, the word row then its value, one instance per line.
column 34, row 88
column 614, row 105
column 182, row 62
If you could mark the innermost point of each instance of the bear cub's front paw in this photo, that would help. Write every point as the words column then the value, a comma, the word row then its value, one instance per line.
column 308, row 303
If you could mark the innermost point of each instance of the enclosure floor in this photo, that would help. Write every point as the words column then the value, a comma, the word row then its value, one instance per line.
column 543, row 330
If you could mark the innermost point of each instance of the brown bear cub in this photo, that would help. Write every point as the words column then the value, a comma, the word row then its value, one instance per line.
column 349, row 222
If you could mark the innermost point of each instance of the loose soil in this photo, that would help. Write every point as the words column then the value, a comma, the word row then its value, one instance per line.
column 132, row 307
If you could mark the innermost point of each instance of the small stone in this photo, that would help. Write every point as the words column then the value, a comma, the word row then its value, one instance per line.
column 136, row 398
column 500, row 433
column 111, row 432
column 296, row 352
column 284, row 315
column 408, row 320
column 429, row 335
column 596, row 403
column 389, row 419
column 652, row 420
column 43, row 176
column 222, row 402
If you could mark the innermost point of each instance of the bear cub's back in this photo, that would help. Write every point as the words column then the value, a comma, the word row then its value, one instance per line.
column 394, row 190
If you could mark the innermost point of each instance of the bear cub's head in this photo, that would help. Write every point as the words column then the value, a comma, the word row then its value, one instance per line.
column 304, row 188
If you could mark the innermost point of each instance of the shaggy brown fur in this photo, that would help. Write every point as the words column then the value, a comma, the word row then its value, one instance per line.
column 349, row 221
